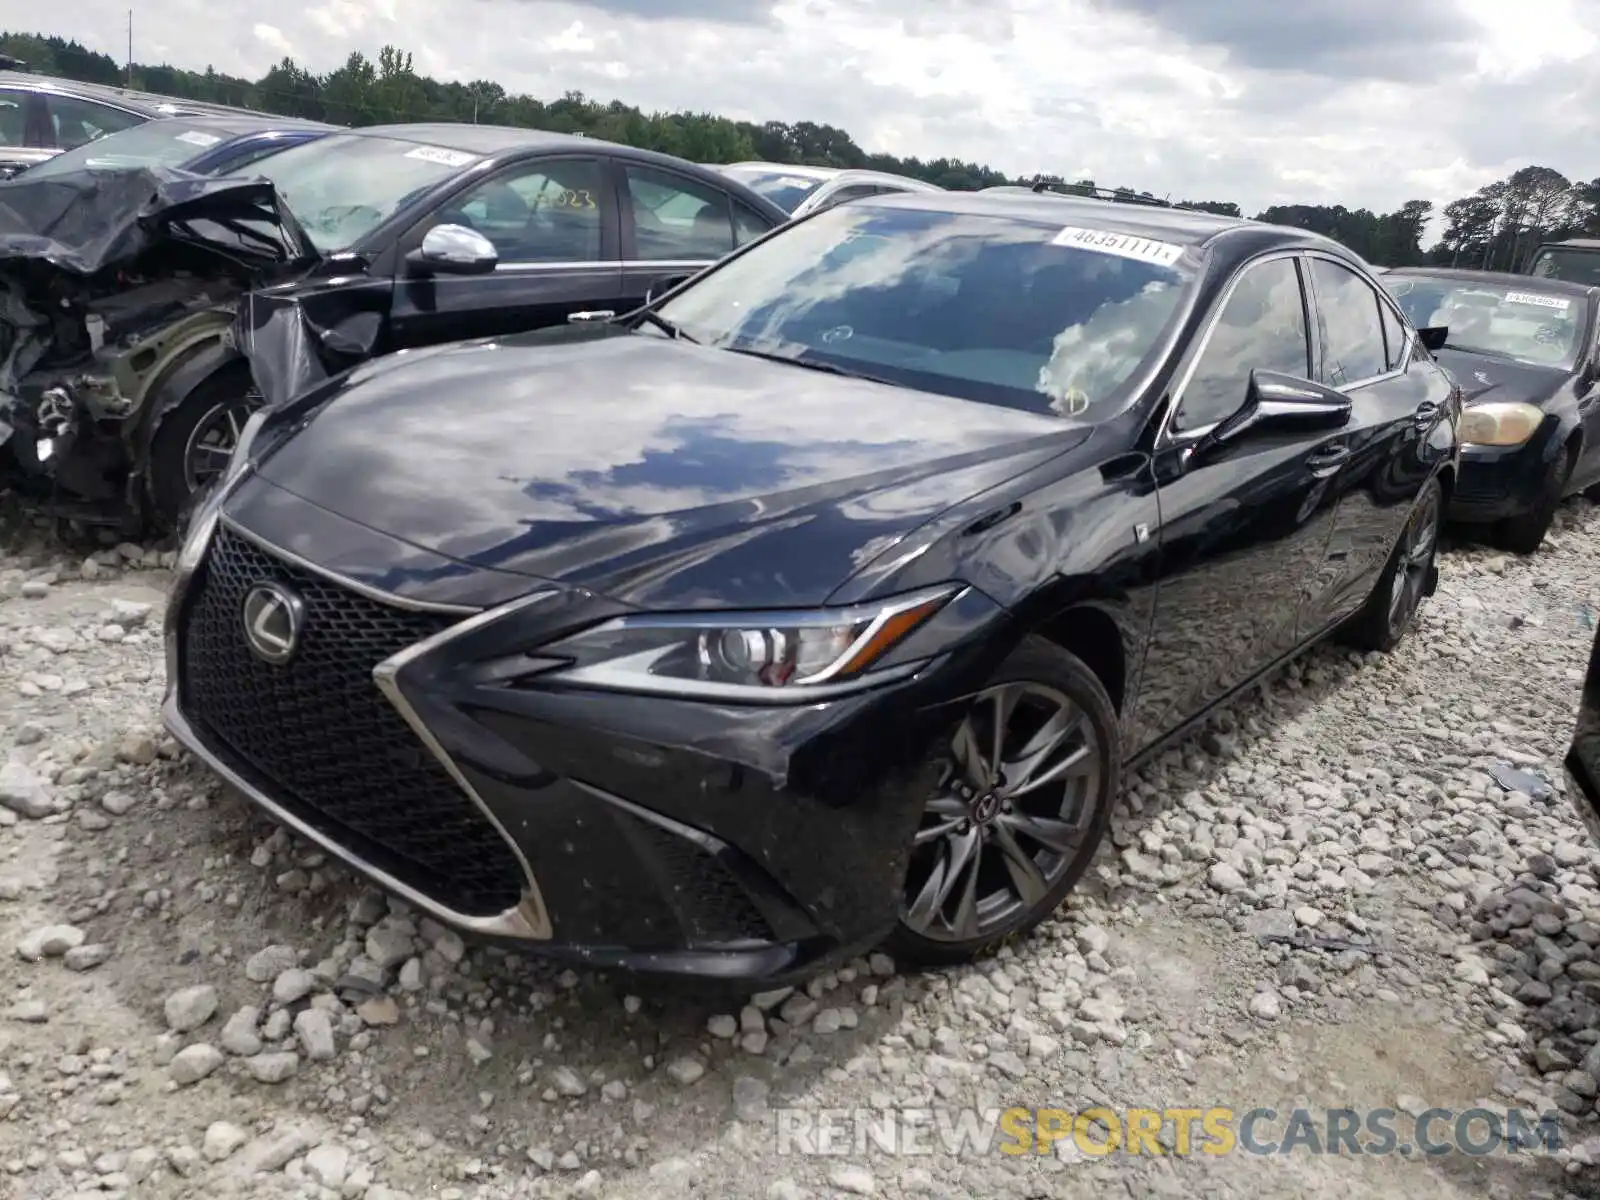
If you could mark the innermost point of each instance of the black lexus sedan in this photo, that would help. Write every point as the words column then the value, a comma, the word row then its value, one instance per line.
column 1524, row 351
column 822, row 601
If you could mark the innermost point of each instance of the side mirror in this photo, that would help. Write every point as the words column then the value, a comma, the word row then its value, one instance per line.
column 453, row 250
column 1433, row 337
column 1277, row 403
column 661, row 287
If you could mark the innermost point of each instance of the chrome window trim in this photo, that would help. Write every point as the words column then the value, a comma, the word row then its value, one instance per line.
column 1383, row 300
column 592, row 264
column 1166, row 435
column 363, row 589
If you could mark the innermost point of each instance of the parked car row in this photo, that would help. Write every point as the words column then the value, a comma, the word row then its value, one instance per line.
column 607, row 561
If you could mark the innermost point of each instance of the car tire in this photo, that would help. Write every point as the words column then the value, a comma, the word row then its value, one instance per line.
column 976, row 850
column 1523, row 533
column 1383, row 621
column 169, row 484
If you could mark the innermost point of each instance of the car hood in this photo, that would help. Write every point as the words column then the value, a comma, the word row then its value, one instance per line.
column 653, row 471
column 1485, row 378
column 90, row 221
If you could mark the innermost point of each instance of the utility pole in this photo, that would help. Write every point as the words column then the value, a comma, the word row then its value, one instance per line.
column 130, row 47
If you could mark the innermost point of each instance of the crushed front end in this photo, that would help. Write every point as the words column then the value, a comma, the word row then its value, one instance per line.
column 112, row 284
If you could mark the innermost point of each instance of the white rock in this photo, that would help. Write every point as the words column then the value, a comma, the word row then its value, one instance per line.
column 685, row 1071
column 314, row 1030
column 275, row 1066
column 328, row 1164
column 294, row 984
column 269, row 962
column 50, row 941
column 853, row 1180
column 23, row 792
column 1225, row 878
column 190, row 1007
column 222, row 1139
column 194, row 1063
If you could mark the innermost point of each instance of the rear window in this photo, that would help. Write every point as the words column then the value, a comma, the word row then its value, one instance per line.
column 1027, row 315
column 169, row 143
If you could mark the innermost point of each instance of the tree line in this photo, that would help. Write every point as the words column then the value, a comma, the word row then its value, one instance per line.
column 1495, row 228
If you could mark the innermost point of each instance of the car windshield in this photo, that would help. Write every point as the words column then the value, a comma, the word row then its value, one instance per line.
column 342, row 187
column 1572, row 264
column 1522, row 322
column 988, row 308
column 168, row 143
column 784, row 190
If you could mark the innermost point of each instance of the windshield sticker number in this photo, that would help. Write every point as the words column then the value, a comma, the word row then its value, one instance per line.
column 438, row 154
column 1556, row 302
column 1123, row 245
column 195, row 138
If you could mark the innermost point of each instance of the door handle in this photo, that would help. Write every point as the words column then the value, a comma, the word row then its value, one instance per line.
column 1427, row 413
column 593, row 314
column 1326, row 462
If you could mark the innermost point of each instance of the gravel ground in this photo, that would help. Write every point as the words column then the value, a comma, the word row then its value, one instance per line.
column 196, row 1005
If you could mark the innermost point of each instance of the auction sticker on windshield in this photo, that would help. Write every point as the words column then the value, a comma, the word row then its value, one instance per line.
column 195, row 138
column 1124, row 245
column 1557, row 302
column 438, row 154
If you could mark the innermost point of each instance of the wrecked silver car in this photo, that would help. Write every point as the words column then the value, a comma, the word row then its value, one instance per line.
column 118, row 290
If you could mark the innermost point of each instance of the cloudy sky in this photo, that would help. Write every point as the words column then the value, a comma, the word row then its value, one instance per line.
column 1361, row 102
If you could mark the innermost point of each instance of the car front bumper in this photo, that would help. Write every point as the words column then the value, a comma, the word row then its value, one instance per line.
column 1496, row 482
column 747, row 844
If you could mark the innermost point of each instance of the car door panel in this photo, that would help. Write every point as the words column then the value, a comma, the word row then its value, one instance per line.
column 1242, row 526
column 535, row 284
column 1369, row 353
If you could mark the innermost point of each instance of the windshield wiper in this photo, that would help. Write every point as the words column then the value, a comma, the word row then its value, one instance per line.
column 651, row 317
column 811, row 364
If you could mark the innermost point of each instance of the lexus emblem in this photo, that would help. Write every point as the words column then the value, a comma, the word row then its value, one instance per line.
column 273, row 616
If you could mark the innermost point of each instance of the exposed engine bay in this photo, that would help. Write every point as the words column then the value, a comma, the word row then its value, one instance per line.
column 116, row 288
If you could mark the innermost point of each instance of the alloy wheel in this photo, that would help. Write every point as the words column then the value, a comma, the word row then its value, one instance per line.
column 1417, row 547
column 212, row 440
column 1016, row 802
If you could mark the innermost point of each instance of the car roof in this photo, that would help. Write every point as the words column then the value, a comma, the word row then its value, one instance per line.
column 1181, row 225
column 1573, row 244
column 1532, row 283
column 145, row 104
column 796, row 169
column 240, row 124
column 479, row 139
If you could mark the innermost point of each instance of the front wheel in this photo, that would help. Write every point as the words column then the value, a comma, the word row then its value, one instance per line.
column 195, row 440
column 1393, row 604
column 1025, row 795
column 1523, row 533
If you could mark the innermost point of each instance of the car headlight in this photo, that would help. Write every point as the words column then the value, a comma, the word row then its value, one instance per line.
column 1500, row 424
column 782, row 657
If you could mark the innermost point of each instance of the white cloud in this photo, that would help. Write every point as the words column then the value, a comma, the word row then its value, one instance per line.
column 1323, row 101
column 272, row 37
